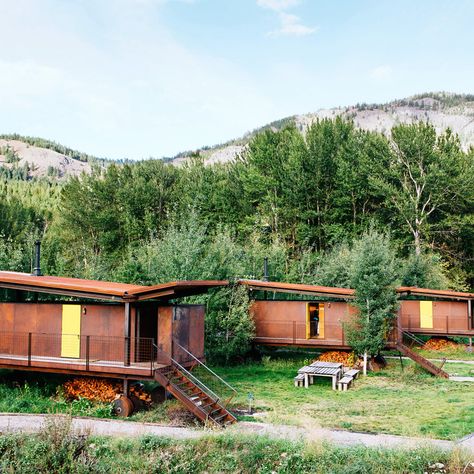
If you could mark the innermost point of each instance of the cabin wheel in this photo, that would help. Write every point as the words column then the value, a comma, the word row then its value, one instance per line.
column 123, row 406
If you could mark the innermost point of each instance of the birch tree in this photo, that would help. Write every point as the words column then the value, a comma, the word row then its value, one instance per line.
column 426, row 176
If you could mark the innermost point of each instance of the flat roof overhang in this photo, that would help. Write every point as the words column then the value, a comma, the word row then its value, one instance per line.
column 300, row 289
column 104, row 290
column 430, row 293
column 349, row 293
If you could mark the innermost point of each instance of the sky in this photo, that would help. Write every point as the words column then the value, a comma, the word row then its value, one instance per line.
column 151, row 78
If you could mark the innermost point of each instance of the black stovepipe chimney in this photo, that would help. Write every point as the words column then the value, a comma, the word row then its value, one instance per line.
column 265, row 269
column 37, row 267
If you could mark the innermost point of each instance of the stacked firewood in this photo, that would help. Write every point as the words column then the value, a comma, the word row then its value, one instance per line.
column 437, row 344
column 101, row 390
column 139, row 392
column 341, row 357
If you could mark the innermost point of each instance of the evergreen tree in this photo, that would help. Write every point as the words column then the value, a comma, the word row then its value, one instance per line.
column 373, row 276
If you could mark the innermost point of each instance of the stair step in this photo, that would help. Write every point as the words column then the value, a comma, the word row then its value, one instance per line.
column 219, row 418
column 194, row 398
column 208, row 404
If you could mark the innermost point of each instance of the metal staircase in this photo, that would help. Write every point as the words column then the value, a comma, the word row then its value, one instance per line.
column 192, row 389
column 420, row 360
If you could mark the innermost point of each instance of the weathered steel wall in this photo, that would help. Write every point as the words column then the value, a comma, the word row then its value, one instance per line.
column 185, row 325
column 447, row 317
column 285, row 322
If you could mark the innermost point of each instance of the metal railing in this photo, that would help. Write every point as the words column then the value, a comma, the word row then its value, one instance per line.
column 412, row 338
column 78, row 352
column 441, row 323
column 209, row 381
column 296, row 332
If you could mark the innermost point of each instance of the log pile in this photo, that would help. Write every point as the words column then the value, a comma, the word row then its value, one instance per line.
column 437, row 344
column 341, row 357
column 101, row 390
column 98, row 390
column 139, row 392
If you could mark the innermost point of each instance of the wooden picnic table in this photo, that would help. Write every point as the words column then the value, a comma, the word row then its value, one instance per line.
column 314, row 370
column 319, row 363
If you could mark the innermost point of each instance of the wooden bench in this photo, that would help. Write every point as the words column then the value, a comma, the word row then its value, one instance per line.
column 345, row 382
column 299, row 380
column 352, row 373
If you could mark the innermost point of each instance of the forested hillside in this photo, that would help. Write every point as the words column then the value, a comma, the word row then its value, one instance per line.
column 305, row 201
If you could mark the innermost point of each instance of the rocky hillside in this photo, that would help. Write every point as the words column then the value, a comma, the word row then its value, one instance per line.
column 28, row 157
column 20, row 157
column 443, row 110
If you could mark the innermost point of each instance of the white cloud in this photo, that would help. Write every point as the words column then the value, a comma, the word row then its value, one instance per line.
column 277, row 5
column 382, row 72
column 290, row 25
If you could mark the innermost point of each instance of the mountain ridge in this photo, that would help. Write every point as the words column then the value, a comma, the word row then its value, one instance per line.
column 442, row 109
column 33, row 157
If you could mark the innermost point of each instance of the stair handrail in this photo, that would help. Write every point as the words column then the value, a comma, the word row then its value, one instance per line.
column 196, row 381
column 188, row 374
column 412, row 337
column 208, row 369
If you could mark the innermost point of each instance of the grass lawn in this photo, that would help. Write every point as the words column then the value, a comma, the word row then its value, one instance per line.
column 408, row 402
column 460, row 369
column 56, row 449
column 453, row 354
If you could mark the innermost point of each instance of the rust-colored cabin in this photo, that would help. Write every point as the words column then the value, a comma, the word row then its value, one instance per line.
column 115, row 330
column 98, row 328
column 318, row 319
column 436, row 312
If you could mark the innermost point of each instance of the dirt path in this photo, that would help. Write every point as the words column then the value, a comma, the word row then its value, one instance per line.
column 15, row 423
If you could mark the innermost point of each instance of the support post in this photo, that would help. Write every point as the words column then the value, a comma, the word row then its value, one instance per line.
column 29, row 349
column 126, row 333
column 470, row 319
column 87, row 352
column 125, row 387
column 152, row 350
column 365, row 363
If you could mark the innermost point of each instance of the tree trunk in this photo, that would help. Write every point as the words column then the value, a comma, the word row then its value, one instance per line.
column 417, row 242
column 365, row 363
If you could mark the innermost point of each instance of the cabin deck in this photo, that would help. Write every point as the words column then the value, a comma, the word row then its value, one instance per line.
column 71, row 353
column 114, row 368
